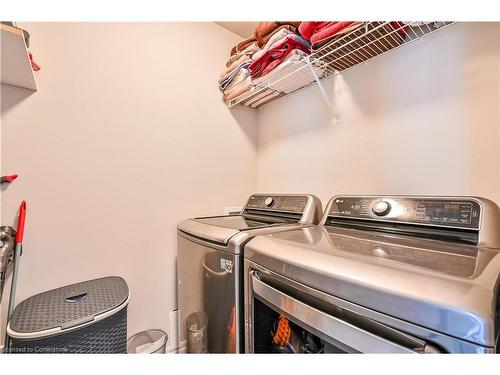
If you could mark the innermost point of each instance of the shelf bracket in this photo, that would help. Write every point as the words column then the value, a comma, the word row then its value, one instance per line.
column 320, row 86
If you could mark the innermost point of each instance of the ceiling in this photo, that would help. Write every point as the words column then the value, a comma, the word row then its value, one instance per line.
column 243, row 29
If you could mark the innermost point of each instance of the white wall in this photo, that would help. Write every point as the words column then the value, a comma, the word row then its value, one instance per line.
column 421, row 120
column 126, row 136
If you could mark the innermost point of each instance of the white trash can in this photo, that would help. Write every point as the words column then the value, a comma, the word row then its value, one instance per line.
column 197, row 338
column 152, row 341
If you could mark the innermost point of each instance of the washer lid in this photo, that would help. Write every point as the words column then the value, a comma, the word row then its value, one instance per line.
column 448, row 288
column 220, row 229
column 242, row 222
column 69, row 307
column 208, row 232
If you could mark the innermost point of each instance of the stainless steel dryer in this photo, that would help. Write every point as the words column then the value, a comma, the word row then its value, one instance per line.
column 210, row 259
column 395, row 274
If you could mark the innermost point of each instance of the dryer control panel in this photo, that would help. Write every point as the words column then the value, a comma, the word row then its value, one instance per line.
column 443, row 212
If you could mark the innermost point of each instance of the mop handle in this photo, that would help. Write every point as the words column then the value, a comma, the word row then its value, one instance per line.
column 17, row 254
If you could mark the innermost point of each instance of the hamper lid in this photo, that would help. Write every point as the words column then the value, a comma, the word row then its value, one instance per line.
column 68, row 307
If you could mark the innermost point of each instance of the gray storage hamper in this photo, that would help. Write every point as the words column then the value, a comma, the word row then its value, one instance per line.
column 87, row 317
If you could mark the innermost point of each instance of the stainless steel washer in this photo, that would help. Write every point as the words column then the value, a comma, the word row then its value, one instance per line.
column 395, row 274
column 210, row 257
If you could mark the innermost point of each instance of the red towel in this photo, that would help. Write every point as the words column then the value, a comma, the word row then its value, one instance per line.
column 316, row 31
column 306, row 29
column 328, row 29
column 272, row 58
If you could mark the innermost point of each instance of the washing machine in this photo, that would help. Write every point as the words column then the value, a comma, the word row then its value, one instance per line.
column 381, row 274
column 210, row 259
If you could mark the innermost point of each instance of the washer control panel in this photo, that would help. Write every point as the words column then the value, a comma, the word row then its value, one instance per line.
column 277, row 203
column 445, row 212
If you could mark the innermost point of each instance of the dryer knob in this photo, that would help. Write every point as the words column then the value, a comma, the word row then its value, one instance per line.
column 269, row 201
column 381, row 208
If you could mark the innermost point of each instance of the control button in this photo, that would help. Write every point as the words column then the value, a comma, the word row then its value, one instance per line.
column 269, row 201
column 381, row 208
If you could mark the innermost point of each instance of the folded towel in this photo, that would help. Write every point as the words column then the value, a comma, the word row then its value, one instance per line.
column 316, row 31
column 273, row 57
column 238, row 90
column 235, row 65
column 328, row 30
column 230, row 75
column 242, row 45
column 241, row 75
column 326, row 35
column 297, row 66
column 306, row 29
column 265, row 28
column 293, row 67
column 282, row 27
column 273, row 42
column 248, row 51
column 237, row 86
column 292, row 59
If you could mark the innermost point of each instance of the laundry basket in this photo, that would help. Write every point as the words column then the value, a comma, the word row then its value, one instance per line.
column 87, row 317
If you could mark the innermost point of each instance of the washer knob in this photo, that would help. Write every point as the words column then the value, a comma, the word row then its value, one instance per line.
column 269, row 201
column 381, row 208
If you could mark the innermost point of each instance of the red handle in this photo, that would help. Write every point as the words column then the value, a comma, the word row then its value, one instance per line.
column 34, row 65
column 9, row 178
column 20, row 223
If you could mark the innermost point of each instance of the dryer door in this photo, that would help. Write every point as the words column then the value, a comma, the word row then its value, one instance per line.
column 284, row 323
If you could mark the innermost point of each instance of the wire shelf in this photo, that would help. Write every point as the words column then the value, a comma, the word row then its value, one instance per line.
column 363, row 43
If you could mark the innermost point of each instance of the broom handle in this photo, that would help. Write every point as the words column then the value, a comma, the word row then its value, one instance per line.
column 20, row 223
